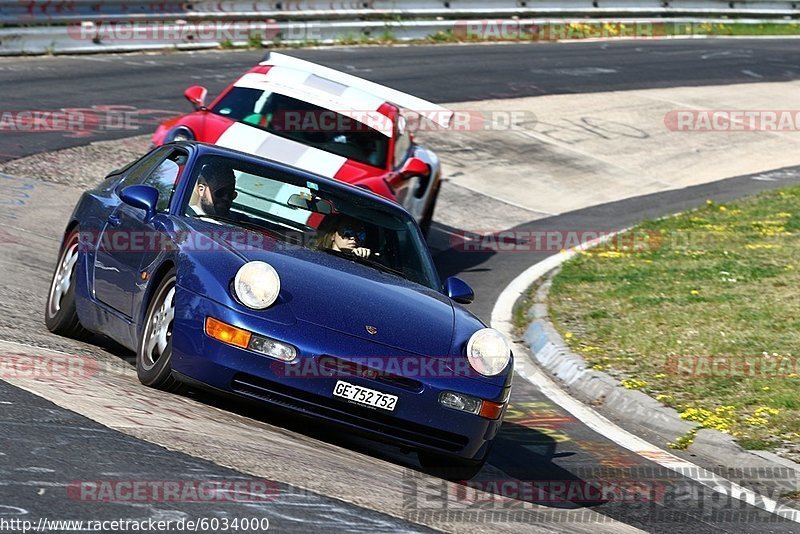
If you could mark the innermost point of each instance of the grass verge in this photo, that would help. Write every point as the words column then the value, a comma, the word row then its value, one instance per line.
column 700, row 311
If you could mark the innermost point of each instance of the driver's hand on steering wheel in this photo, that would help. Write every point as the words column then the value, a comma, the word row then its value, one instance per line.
column 362, row 252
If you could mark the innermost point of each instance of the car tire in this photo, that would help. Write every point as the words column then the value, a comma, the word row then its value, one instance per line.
column 61, row 315
column 451, row 467
column 154, row 351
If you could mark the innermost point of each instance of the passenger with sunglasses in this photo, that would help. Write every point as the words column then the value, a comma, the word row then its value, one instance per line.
column 347, row 235
column 214, row 192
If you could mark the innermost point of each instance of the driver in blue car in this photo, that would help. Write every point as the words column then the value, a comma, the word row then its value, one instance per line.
column 214, row 192
column 347, row 235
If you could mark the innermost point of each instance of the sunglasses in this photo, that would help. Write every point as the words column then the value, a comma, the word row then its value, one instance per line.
column 224, row 192
column 347, row 233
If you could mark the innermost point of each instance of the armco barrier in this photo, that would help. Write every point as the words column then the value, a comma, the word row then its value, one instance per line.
column 87, row 38
column 90, row 37
column 85, row 26
column 25, row 12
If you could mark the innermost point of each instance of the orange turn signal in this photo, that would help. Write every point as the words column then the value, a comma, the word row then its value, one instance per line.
column 227, row 333
column 491, row 410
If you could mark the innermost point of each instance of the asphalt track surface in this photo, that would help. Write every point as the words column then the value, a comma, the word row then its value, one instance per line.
column 45, row 444
column 440, row 74
column 46, row 447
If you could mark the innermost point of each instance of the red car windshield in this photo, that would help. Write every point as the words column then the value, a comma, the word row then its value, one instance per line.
column 305, row 123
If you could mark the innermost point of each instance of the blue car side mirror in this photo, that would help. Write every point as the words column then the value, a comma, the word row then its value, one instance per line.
column 143, row 197
column 458, row 290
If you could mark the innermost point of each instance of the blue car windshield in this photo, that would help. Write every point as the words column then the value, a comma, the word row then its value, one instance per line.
column 305, row 123
column 302, row 212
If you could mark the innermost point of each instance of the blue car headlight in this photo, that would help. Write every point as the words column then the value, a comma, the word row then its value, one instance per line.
column 257, row 285
column 179, row 133
column 488, row 352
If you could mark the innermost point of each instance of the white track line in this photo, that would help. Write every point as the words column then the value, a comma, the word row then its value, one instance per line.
column 29, row 346
column 502, row 314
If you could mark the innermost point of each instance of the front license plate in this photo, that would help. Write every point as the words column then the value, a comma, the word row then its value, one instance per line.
column 362, row 395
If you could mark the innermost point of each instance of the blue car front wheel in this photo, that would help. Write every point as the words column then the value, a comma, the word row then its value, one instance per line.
column 154, row 352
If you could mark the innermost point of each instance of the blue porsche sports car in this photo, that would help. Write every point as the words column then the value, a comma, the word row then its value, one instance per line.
column 234, row 273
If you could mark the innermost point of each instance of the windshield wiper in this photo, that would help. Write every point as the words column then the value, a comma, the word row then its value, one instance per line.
column 245, row 224
column 365, row 261
column 378, row 265
column 212, row 217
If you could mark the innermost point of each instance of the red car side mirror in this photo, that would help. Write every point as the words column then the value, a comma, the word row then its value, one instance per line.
column 196, row 94
column 413, row 167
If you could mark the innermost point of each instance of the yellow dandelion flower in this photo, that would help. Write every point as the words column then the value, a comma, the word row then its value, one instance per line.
column 633, row 383
column 756, row 421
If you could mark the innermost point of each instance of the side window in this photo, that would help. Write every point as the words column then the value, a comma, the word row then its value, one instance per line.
column 165, row 176
column 239, row 103
column 139, row 170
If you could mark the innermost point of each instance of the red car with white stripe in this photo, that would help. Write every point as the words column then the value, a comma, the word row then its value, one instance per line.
column 324, row 121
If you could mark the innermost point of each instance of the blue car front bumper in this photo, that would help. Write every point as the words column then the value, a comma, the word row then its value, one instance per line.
column 419, row 420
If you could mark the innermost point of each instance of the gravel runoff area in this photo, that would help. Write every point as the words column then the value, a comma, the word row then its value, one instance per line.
column 79, row 167
column 64, row 174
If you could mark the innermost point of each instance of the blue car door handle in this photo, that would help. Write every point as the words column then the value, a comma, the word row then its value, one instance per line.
column 113, row 220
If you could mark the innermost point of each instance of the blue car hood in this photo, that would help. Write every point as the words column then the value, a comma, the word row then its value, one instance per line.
column 348, row 297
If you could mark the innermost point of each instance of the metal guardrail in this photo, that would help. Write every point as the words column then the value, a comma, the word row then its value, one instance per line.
column 143, row 35
column 27, row 12
column 81, row 26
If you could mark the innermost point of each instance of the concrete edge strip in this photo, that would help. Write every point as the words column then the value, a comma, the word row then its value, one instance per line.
column 551, row 351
